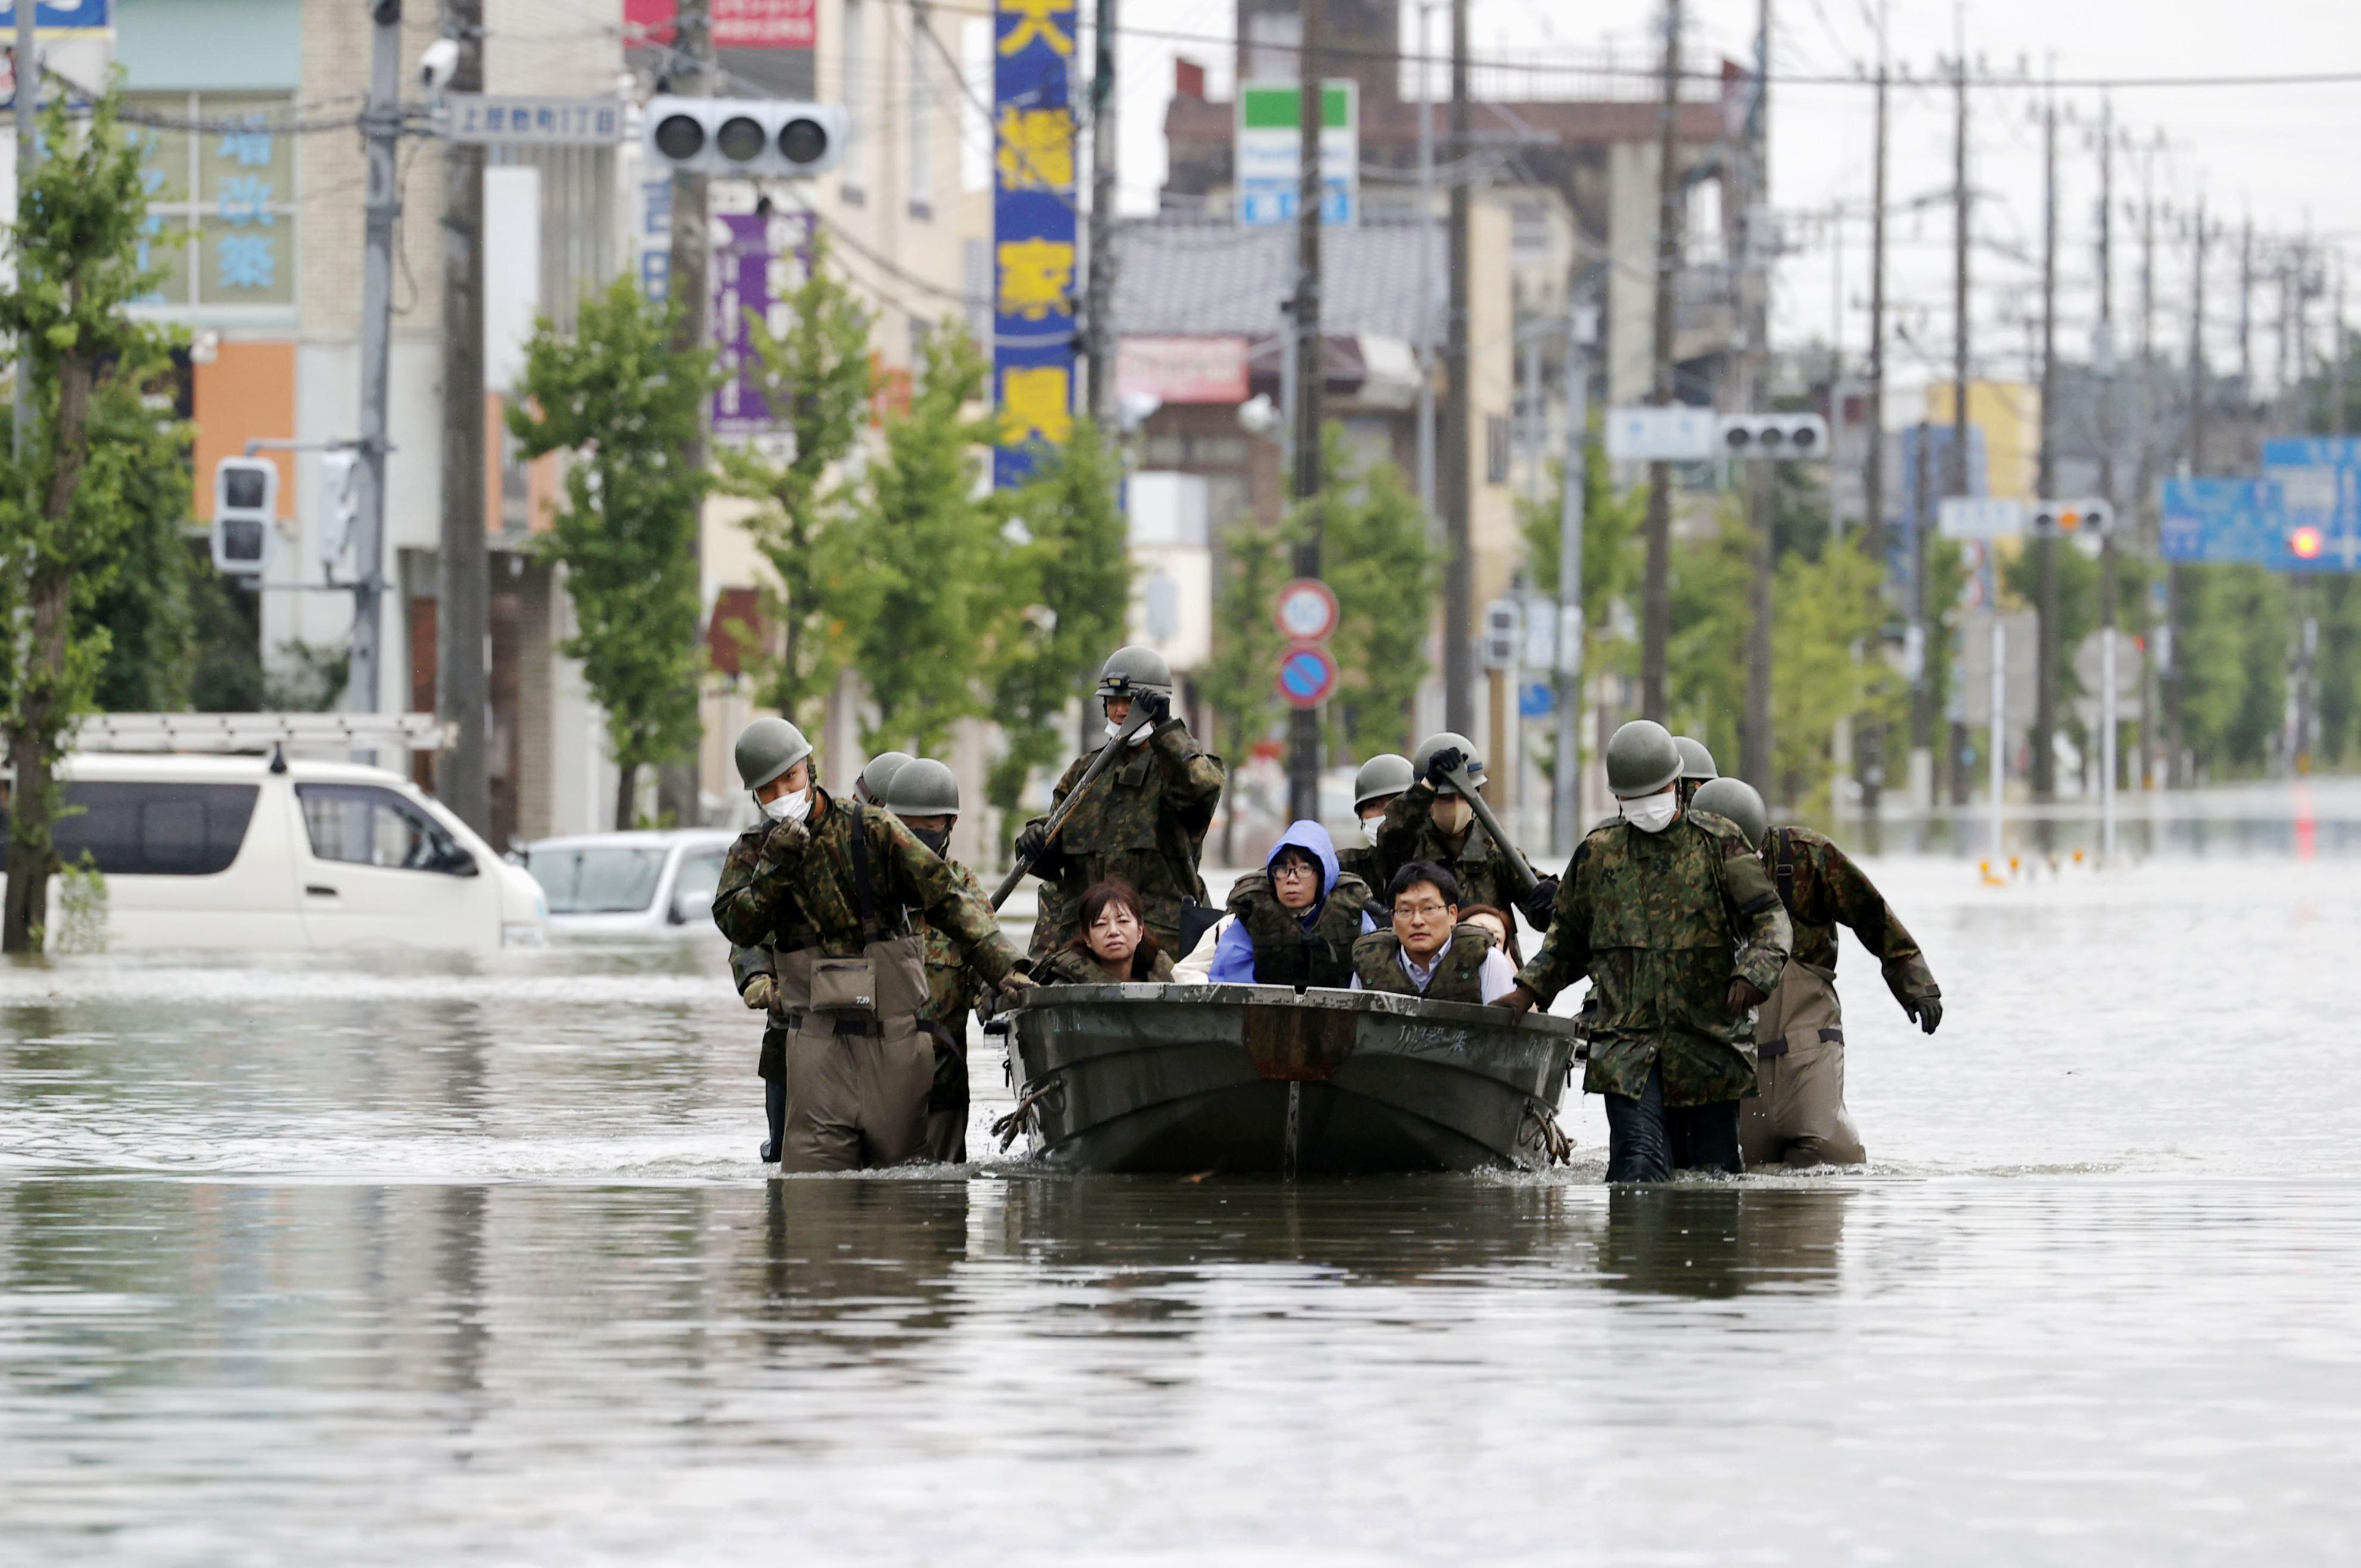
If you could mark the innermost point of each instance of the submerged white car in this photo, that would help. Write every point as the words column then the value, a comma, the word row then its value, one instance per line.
column 641, row 883
column 262, row 853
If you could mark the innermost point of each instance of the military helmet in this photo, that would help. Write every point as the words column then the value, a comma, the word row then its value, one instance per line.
column 1135, row 669
column 1448, row 741
column 878, row 776
column 922, row 787
column 1641, row 758
column 1735, row 800
column 767, row 748
column 1696, row 762
column 1388, row 772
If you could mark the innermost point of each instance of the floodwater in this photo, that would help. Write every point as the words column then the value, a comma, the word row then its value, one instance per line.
column 471, row 1261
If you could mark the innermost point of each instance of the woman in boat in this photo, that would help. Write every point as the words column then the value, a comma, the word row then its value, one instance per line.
column 1293, row 922
column 1111, row 945
column 1503, row 929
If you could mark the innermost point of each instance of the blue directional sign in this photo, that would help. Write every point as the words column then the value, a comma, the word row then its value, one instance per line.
column 2320, row 486
column 2217, row 521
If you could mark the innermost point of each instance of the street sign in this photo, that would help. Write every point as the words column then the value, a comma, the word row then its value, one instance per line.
column 2320, row 487
column 1541, row 632
column 1677, row 433
column 1306, row 610
column 1981, row 517
column 1268, row 139
column 2216, row 519
column 479, row 118
column 1536, row 699
column 1307, row 675
column 2312, row 452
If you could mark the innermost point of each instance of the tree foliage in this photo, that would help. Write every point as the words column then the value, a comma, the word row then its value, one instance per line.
column 625, row 404
column 1376, row 554
column 816, row 376
column 67, row 502
column 1066, row 545
column 1237, row 681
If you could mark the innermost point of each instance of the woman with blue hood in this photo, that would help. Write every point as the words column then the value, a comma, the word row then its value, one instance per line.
column 1294, row 922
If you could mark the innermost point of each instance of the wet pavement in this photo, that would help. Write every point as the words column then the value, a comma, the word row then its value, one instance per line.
column 470, row 1260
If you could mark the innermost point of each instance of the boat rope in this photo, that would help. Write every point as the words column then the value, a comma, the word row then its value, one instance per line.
column 1027, row 1115
column 1549, row 1139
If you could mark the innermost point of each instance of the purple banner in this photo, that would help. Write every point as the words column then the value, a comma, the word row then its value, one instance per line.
column 764, row 261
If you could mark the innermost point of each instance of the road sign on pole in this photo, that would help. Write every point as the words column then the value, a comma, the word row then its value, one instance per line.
column 1269, row 140
column 1981, row 517
column 1307, row 675
column 1306, row 610
column 1677, row 433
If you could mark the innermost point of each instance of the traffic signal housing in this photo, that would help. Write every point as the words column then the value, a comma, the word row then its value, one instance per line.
column 246, row 514
column 754, row 139
column 1774, row 436
column 2092, row 517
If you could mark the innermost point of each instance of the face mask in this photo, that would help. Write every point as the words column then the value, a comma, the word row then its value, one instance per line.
column 938, row 840
column 1453, row 814
column 1114, row 729
column 1369, row 825
column 793, row 807
column 1651, row 813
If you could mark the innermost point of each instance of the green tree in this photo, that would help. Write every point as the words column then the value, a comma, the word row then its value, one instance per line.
column 816, row 376
column 1824, row 668
column 2233, row 648
column 1238, row 681
column 1069, row 564
column 918, row 575
column 626, row 405
column 64, row 509
column 149, row 608
column 1613, row 559
column 1376, row 555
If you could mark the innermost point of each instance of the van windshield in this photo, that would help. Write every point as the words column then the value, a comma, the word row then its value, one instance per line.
column 602, row 881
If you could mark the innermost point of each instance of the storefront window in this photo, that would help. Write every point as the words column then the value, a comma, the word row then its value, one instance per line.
column 221, row 214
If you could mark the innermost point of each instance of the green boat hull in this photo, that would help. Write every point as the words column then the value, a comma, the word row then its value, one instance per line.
column 1260, row 1079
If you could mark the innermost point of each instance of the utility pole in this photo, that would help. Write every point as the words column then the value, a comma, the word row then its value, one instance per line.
column 25, row 73
column 2045, row 701
column 380, row 132
column 1565, row 777
column 689, row 289
column 1304, row 723
column 1922, row 679
column 1459, row 571
column 1762, row 472
column 462, row 573
column 2175, row 691
column 2246, row 310
column 1655, row 599
column 1098, row 342
column 2154, row 655
column 2336, row 419
column 1870, row 753
column 2103, row 354
column 1425, row 274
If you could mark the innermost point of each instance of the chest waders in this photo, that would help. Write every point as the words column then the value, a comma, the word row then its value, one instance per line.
column 859, row 1065
column 1797, row 1116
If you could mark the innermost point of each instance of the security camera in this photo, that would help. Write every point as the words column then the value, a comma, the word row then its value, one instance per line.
column 438, row 64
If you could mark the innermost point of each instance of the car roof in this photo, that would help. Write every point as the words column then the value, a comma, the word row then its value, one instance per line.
column 637, row 838
column 174, row 766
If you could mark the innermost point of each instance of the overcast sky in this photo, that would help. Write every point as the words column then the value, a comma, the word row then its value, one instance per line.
column 2279, row 154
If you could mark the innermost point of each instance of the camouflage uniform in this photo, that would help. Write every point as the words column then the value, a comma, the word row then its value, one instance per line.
column 1409, row 834
column 1798, row 1115
column 953, row 987
column 1458, row 972
column 1143, row 821
column 1654, row 919
column 1361, row 860
column 858, row 1096
column 1067, row 967
column 747, row 965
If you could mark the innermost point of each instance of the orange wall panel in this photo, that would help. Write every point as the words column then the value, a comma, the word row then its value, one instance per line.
column 246, row 393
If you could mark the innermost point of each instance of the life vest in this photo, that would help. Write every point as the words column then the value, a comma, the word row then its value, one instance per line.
column 1458, row 968
column 1288, row 953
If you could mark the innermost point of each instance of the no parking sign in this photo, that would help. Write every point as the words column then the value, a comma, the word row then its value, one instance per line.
column 1307, row 675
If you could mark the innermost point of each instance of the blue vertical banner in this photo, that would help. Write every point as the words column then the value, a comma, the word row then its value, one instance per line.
column 1035, row 277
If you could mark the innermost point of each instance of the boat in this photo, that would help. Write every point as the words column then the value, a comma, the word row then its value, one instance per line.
column 1257, row 1078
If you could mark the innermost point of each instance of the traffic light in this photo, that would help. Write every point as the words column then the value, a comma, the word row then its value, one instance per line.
column 246, row 512
column 1774, row 436
column 2095, row 518
column 1504, row 629
column 340, row 505
column 752, row 137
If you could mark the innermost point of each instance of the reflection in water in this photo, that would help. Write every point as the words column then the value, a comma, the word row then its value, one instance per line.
column 1720, row 1238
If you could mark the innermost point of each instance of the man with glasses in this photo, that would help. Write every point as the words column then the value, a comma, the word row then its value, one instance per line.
column 1428, row 952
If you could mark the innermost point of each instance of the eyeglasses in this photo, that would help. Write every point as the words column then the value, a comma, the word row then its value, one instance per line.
column 1422, row 911
column 1291, row 870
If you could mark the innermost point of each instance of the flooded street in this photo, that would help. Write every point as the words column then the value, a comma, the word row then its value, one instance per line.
column 443, row 1260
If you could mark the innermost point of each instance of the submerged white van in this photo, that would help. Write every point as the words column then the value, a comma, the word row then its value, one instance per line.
column 259, row 852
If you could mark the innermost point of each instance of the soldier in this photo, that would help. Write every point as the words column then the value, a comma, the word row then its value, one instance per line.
column 1799, row 1116
column 1430, row 822
column 1381, row 778
column 1696, row 766
column 827, row 885
column 1653, row 910
column 1429, row 951
column 749, row 970
column 1143, row 820
column 925, row 795
column 869, row 788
